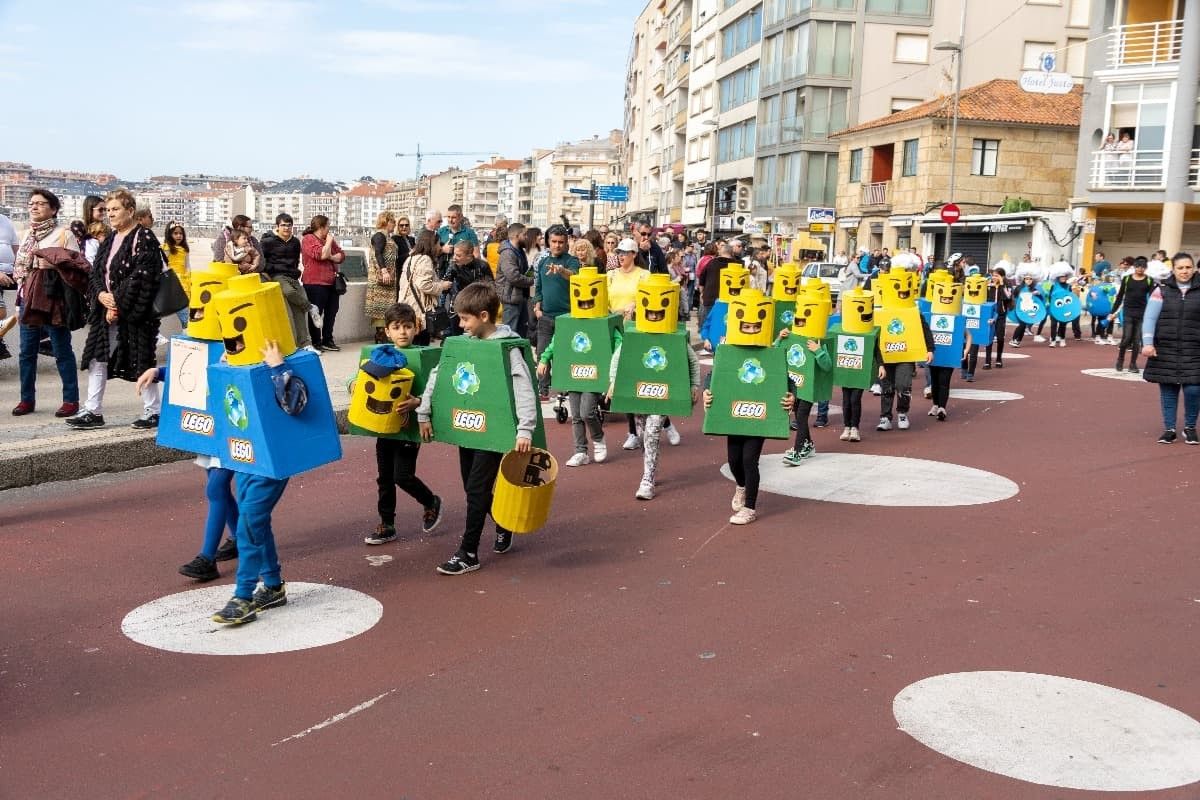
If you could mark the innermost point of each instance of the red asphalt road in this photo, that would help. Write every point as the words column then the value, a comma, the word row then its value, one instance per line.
column 571, row 666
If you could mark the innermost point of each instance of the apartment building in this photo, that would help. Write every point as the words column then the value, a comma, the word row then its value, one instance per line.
column 675, row 77
column 359, row 207
column 446, row 188
column 562, row 177
column 1144, row 66
column 830, row 64
column 302, row 198
column 700, row 135
column 491, row 190
column 645, row 84
column 409, row 199
column 1012, row 146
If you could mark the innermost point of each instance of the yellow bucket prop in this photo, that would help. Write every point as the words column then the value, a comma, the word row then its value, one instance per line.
column 524, row 490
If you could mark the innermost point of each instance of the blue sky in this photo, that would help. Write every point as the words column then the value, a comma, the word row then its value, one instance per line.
column 280, row 88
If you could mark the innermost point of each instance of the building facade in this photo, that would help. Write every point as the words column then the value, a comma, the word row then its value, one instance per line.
column 642, row 140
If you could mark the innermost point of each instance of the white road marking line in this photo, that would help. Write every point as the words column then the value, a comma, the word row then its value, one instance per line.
column 335, row 718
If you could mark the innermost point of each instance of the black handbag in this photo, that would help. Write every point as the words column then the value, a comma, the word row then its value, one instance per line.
column 437, row 319
column 339, row 282
column 170, row 298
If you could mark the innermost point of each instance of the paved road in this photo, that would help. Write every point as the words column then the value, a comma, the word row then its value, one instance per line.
column 629, row 649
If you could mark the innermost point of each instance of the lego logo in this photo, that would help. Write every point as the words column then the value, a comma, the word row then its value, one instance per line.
column 584, row 371
column 895, row 347
column 193, row 422
column 850, row 362
column 241, row 450
column 653, row 391
column 972, row 324
column 475, row 421
column 746, row 410
column 943, row 338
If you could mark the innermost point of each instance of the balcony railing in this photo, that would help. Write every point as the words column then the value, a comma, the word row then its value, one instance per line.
column 1147, row 44
column 876, row 194
column 1194, row 172
column 1132, row 170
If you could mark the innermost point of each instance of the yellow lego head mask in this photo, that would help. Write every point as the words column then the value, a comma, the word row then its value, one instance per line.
column 750, row 319
column 657, row 305
column 589, row 294
column 858, row 311
column 947, row 298
column 206, row 285
column 818, row 287
column 253, row 313
column 937, row 276
column 735, row 279
column 787, row 283
column 375, row 397
column 975, row 289
column 812, row 313
column 897, row 288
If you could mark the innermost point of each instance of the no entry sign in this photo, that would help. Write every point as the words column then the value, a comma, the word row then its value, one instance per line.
column 950, row 213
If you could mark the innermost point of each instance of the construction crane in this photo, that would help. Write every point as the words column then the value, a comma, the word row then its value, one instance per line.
column 420, row 155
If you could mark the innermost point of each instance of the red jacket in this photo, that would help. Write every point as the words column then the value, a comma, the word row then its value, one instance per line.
column 317, row 271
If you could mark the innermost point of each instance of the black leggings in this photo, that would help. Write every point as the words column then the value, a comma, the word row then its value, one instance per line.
column 971, row 359
column 851, row 407
column 1131, row 336
column 743, row 453
column 998, row 341
column 1058, row 330
column 941, row 384
column 803, row 409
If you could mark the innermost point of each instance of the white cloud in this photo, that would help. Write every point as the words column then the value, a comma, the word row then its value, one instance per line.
column 226, row 11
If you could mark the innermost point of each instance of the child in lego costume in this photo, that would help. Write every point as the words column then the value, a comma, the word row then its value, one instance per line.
column 979, row 314
column 587, row 337
column 384, row 393
column 951, row 342
column 903, row 341
column 484, row 421
column 734, row 279
column 853, row 344
column 810, row 369
column 648, row 377
column 749, row 376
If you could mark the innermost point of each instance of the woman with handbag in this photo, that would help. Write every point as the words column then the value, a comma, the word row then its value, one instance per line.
column 382, row 259
column 420, row 286
column 320, row 256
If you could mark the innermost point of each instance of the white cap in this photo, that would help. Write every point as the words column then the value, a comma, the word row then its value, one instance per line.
column 627, row 245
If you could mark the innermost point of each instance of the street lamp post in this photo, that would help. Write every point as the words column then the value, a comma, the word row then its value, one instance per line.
column 956, row 51
column 712, row 157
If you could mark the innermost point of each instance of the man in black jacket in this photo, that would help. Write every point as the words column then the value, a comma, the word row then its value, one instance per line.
column 281, row 263
column 649, row 251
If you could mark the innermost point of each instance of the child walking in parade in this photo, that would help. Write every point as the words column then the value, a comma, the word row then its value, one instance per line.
column 1132, row 296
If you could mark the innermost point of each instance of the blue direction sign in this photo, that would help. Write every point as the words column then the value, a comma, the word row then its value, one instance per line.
column 576, row 190
column 613, row 193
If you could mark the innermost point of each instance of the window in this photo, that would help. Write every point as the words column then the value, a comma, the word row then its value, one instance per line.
column 693, row 150
column 832, row 49
column 904, row 103
column 984, row 153
column 820, row 179
column 735, row 142
column 1032, row 56
column 764, row 182
column 695, row 106
column 706, row 147
column 856, row 165
column 707, row 97
column 909, row 167
column 739, row 35
column 792, row 116
column 1077, row 16
column 1075, row 55
column 898, row 6
column 827, row 111
column 739, row 87
column 911, row 48
column 789, row 179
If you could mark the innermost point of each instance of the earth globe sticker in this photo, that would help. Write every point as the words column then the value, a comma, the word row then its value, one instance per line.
column 465, row 379
column 751, row 371
column 655, row 359
column 851, row 346
column 787, row 317
column 795, row 356
column 580, row 343
column 896, row 327
column 943, row 322
column 235, row 408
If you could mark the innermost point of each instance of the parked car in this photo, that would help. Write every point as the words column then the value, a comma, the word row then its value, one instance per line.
column 828, row 272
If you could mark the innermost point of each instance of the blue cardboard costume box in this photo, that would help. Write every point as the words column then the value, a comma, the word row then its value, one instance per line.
column 981, row 318
column 188, row 420
column 949, row 334
column 257, row 436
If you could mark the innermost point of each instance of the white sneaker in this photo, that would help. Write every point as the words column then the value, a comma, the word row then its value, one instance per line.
column 1014, row 343
column 902, row 422
column 673, row 436
column 933, row 411
column 632, row 442
column 1109, row 340
column 578, row 460
column 854, row 437
column 645, row 490
column 845, row 437
column 312, row 349
column 739, row 498
column 1039, row 338
column 1062, row 342
column 744, row 516
column 876, row 389
column 160, row 340
column 927, row 392
column 885, row 424
column 599, row 452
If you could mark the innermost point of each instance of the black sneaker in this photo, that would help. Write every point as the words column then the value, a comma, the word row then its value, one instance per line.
column 200, row 569
column 1133, row 368
column 503, row 541
column 432, row 515
column 85, row 420
column 236, row 612
column 822, row 422
column 793, row 425
column 383, row 534
column 227, row 551
column 265, row 597
column 1189, row 436
column 459, row 563
column 331, row 346
column 4, row 352
column 1168, row 436
column 145, row 423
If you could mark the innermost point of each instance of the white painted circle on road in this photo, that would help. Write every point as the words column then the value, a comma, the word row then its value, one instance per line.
column 316, row 614
column 1109, row 372
column 985, row 394
column 1053, row 731
column 867, row 480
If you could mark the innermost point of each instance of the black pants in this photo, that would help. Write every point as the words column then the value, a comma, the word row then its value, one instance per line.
column 396, row 465
column 742, row 453
column 327, row 301
column 1101, row 327
column 1076, row 328
column 998, row 341
column 897, row 380
column 803, row 409
column 851, row 407
column 1058, row 330
column 1019, row 332
column 971, row 359
column 478, row 468
column 941, row 384
column 1131, row 336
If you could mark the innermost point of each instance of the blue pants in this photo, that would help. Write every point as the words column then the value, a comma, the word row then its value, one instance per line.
column 222, row 510
column 257, row 559
column 64, row 357
column 1169, row 397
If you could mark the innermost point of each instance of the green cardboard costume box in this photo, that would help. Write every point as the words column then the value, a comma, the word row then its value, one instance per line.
column 785, row 312
column 810, row 381
column 583, row 351
column 473, row 401
column 652, row 374
column 421, row 361
column 748, row 385
column 853, row 357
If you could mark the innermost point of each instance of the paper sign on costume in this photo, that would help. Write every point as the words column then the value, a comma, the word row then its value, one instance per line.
column 810, row 381
column 188, row 418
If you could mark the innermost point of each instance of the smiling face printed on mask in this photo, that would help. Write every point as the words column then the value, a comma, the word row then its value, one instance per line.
column 812, row 314
column 975, row 289
column 657, row 305
column 897, row 288
column 589, row 294
column 206, row 284
column 735, row 279
column 947, row 298
column 375, row 399
column 787, row 282
column 858, row 311
column 750, row 320
column 253, row 313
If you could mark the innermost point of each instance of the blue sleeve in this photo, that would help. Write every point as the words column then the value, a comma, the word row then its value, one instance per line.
column 161, row 375
column 1150, row 320
column 291, row 393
